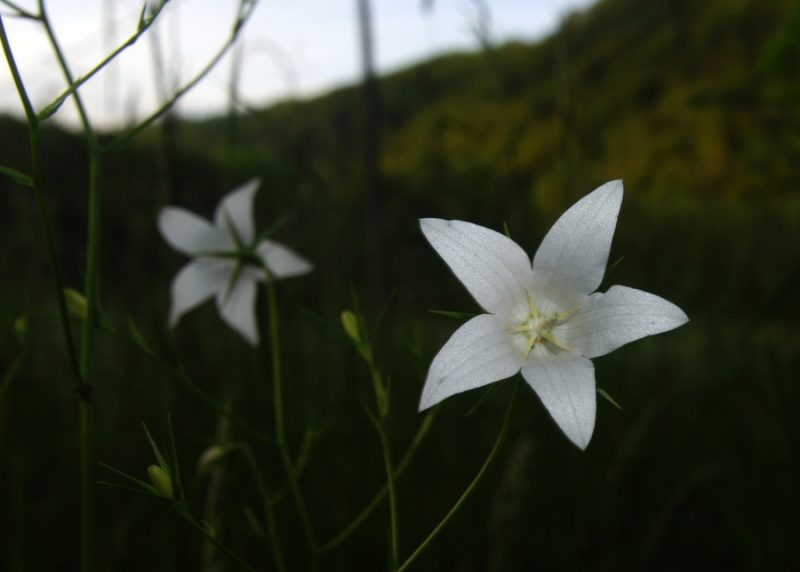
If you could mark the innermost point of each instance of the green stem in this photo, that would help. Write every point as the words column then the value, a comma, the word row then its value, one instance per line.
column 153, row 117
column 75, row 85
column 269, row 513
column 280, row 432
column 21, row 12
column 387, row 463
column 87, row 437
column 38, row 191
column 362, row 516
column 211, row 536
column 381, row 400
column 465, row 495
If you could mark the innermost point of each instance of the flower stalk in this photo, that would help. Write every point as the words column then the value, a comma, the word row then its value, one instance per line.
column 280, row 429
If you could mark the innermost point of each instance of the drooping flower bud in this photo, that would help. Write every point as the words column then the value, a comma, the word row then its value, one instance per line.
column 161, row 480
column 350, row 325
column 76, row 303
column 211, row 457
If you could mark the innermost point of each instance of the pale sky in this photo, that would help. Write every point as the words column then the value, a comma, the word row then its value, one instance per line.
column 292, row 48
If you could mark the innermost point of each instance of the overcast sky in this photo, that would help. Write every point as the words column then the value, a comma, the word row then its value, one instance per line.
column 292, row 48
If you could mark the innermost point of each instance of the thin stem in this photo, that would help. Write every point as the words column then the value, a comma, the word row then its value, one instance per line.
column 86, row 408
column 38, row 190
column 387, row 463
column 20, row 11
column 381, row 400
column 75, row 85
column 178, row 373
column 141, row 126
column 269, row 513
column 211, row 536
column 280, row 432
column 362, row 516
column 465, row 495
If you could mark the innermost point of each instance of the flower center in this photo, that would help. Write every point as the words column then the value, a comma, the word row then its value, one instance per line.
column 537, row 328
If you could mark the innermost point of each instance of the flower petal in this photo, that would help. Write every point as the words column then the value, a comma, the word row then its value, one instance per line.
column 282, row 261
column 494, row 268
column 236, row 208
column 618, row 317
column 574, row 253
column 565, row 384
column 188, row 233
column 479, row 352
column 237, row 304
column 195, row 283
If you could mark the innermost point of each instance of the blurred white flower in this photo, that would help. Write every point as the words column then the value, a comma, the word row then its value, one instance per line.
column 228, row 260
column 544, row 319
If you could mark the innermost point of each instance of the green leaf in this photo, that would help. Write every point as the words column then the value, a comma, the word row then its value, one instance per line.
column 53, row 106
column 611, row 267
column 457, row 315
column 156, row 451
column 146, row 488
column 271, row 229
column 176, row 475
column 17, row 176
column 485, row 396
column 604, row 393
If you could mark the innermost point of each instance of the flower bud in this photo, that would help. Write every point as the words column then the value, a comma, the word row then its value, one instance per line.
column 21, row 328
column 76, row 303
column 210, row 457
column 161, row 480
column 350, row 325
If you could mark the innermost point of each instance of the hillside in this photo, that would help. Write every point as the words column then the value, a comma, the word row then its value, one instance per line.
column 676, row 97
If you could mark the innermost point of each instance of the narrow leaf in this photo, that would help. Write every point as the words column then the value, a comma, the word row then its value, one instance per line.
column 457, row 315
column 146, row 487
column 156, row 451
column 485, row 396
column 603, row 393
column 17, row 176
column 53, row 106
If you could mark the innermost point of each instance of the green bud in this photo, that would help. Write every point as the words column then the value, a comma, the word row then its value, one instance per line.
column 21, row 328
column 76, row 303
column 161, row 480
column 211, row 457
column 210, row 531
column 350, row 325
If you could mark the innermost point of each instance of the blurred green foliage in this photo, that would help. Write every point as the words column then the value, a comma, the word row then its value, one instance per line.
column 696, row 105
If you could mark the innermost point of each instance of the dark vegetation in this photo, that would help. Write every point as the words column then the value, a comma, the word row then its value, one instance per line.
column 696, row 105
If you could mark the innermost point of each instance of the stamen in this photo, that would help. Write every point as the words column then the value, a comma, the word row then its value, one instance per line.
column 532, row 305
column 548, row 335
column 561, row 316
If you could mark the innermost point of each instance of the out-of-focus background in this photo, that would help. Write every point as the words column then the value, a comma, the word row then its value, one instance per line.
column 696, row 105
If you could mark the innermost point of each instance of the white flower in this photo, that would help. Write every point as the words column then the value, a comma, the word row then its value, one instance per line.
column 543, row 319
column 228, row 260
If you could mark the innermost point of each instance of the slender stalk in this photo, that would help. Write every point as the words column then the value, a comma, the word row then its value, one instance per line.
column 211, row 536
column 21, row 12
column 87, row 438
column 74, row 86
column 346, row 532
column 267, row 500
column 144, row 124
column 382, row 403
column 38, row 191
column 387, row 463
column 466, row 494
column 280, row 431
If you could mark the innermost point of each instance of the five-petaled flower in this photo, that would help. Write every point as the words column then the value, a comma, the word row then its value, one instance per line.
column 229, row 259
column 544, row 319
